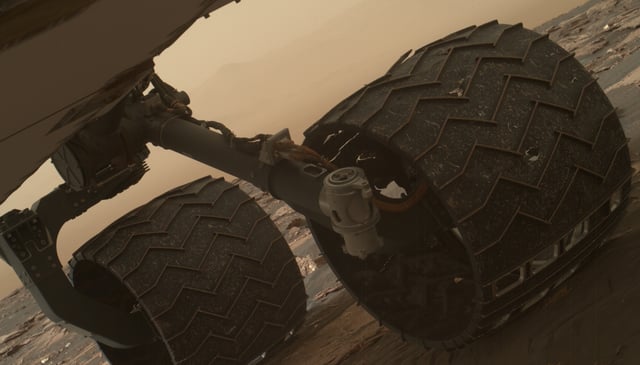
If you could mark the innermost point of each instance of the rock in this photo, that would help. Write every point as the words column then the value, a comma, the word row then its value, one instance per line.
column 306, row 264
column 593, row 47
column 324, row 293
column 11, row 350
column 281, row 212
column 12, row 335
column 297, row 222
column 552, row 29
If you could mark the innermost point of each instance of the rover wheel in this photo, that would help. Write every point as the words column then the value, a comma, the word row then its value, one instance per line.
column 499, row 165
column 207, row 267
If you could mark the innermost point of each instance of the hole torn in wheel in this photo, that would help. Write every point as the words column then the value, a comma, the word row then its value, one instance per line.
column 392, row 191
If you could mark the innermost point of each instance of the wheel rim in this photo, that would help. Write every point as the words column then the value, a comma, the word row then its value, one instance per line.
column 98, row 283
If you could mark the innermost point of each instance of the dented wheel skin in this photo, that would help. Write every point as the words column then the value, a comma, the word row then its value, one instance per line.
column 209, row 269
column 527, row 170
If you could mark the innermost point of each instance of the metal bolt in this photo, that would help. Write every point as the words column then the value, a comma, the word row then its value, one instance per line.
column 342, row 175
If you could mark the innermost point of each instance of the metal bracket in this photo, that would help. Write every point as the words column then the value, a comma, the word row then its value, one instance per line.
column 268, row 152
column 28, row 244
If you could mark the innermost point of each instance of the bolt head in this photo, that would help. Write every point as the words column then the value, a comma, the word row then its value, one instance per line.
column 343, row 175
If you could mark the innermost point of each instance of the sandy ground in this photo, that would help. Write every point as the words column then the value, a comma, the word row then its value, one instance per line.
column 591, row 319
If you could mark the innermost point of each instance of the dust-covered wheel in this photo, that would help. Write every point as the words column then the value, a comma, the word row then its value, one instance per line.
column 205, row 264
column 499, row 164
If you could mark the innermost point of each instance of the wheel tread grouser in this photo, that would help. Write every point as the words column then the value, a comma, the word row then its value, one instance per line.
column 210, row 270
column 515, row 138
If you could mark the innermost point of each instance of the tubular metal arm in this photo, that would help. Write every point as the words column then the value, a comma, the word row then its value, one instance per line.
column 344, row 205
column 296, row 183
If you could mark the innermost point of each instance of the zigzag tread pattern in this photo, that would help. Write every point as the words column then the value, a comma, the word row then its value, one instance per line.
column 515, row 137
column 206, row 265
column 505, row 122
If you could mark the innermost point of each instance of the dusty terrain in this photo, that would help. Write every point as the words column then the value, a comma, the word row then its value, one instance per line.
column 591, row 319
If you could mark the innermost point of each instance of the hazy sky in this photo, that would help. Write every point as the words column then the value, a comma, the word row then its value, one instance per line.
column 261, row 65
column 243, row 31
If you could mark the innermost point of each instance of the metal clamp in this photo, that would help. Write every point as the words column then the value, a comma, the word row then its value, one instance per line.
column 347, row 199
column 268, row 151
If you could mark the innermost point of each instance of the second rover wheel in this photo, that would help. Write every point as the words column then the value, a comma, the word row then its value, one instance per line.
column 514, row 166
column 208, row 268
